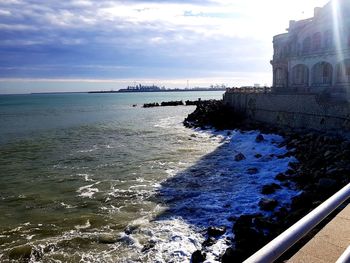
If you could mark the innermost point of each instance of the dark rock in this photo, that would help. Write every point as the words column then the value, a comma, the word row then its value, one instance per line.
column 326, row 184
column 270, row 188
column 172, row 103
column 50, row 248
column 209, row 242
column 252, row 170
column 248, row 237
column 214, row 114
column 130, row 229
column 151, row 105
column 286, row 184
column 20, row 252
column 290, row 172
column 198, row 257
column 345, row 145
column 233, row 256
column 268, row 204
column 148, row 246
column 259, row 138
column 240, row 157
column 126, row 240
column 281, row 177
column 227, row 205
column 346, row 155
column 258, row 155
column 328, row 154
column 216, row 231
column 302, row 201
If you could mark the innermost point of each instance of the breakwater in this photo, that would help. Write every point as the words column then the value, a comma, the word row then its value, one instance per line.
column 174, row 103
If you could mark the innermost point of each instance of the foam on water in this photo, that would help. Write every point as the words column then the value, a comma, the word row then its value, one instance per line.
column 208, row 193
column 88, row 190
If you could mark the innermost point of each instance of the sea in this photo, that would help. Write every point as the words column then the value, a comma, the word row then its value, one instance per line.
column 98, row 178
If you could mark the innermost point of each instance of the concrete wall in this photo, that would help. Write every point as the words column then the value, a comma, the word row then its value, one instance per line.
column 294, row 110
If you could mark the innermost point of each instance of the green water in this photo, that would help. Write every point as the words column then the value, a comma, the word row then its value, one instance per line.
column 73, row 166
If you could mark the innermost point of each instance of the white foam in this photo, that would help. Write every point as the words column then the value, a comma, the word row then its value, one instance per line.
column 86, row 225
column 168, row 122
column 88, row 190
column 218, row 188
column 67, row 205
column 86, row 177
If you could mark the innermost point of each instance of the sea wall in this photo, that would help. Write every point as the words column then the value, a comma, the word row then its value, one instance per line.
column 311, row 111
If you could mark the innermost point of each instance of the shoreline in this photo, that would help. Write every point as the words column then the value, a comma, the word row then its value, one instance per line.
column 321, row 170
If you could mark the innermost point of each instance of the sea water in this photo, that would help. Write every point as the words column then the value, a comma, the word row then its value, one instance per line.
column 92, row 178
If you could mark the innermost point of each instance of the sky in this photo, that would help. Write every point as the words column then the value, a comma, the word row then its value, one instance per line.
column 82, row 45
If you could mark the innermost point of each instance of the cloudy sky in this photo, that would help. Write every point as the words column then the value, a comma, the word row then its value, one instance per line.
column 79, row 45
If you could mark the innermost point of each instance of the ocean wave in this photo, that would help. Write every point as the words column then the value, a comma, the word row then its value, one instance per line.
column 88, row 190
column 211, row 191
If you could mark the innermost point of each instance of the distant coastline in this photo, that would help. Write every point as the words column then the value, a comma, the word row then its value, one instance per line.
column 160, row 90
column 122, row 91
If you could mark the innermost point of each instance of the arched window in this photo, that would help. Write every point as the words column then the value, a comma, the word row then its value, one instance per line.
column 343, row 72
column 306, row 45
column 322, row 73
column 280, row 77
column 300, row 75
column 328, row 39
column 316, row 41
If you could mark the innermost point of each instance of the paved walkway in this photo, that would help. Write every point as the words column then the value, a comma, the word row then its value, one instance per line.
column 329, row 244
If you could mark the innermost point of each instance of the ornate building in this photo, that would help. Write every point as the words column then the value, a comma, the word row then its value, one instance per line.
column 314, row 56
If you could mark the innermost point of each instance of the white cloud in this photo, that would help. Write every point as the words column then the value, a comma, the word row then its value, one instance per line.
column 223, row 39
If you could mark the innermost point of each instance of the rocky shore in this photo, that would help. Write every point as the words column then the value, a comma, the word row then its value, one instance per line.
column 322, row 169
column 174, row 103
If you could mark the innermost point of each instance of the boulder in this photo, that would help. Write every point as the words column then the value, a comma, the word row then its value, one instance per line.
column 302, row 201
column 326, row 184
column 198, row 257
column 270, row 188
column 130, row 229
column 148, row 246
column 233, row 256
column 328, row 154
column 281, row 177
column 268, row 204
column 248, row 237
column 216, row 231
column 239, row 157
column 345, row 145
column 209, row 242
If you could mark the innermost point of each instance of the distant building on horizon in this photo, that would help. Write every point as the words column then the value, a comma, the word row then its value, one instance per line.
column 314, row 56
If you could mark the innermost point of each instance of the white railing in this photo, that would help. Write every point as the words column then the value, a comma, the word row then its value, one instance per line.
column 345, row 258
column 288, row 238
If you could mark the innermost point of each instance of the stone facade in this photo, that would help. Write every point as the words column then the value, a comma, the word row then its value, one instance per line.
column 314, row 56
column 304, row 111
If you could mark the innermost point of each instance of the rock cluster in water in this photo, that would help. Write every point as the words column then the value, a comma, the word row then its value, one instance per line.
column 173, row 103
column 213, row 113
column 322, row 169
